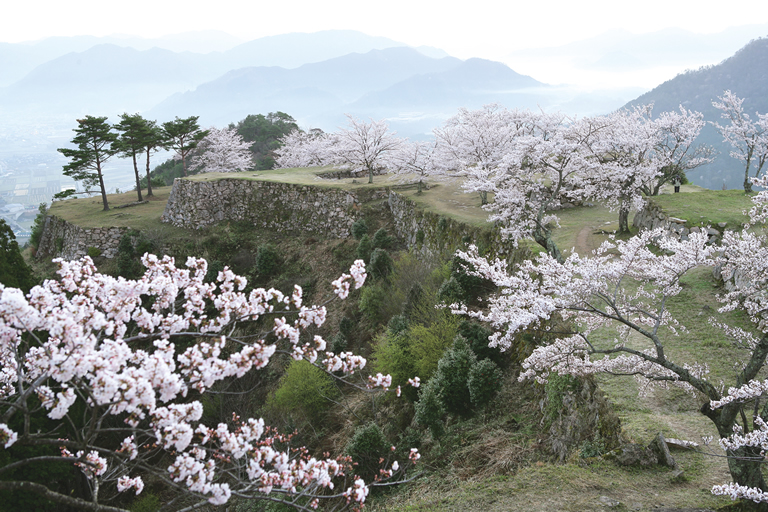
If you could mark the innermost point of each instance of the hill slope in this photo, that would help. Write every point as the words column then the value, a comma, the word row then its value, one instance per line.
column 746, row 75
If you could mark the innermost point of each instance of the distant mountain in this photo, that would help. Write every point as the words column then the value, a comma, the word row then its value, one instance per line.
column 331, row 84
column 286, row 50
column 295, row 49
column 106, row 79
column 746, row 75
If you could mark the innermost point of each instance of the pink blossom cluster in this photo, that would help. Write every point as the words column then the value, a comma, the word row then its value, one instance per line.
column 93, row 326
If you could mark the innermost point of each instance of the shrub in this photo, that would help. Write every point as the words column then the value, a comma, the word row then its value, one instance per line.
column 452, row 376
column 93, row 252
column 414, row 298
column 381, row 264
column 367, row 446
column 338, row 343
column 428, row 343
column 374, row 301
column 382, row 240
column 304, row 391
column 450, row 291
column 477, row 336
column 556, row 388
column 359, row 229
column 429, row 409
column 392, row 355
column 364, row 249
column 484, row 382
column 397, row 324
column 267, row 260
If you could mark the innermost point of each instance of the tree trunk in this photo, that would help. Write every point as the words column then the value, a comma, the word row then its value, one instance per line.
column 101, row 184
column 623, row 220
column 138, row 179
column 543, row 237
column 747, row 184
column 483, row 197
column 149, row 178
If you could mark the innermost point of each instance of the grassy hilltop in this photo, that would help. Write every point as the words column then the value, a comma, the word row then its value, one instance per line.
column 500, row 457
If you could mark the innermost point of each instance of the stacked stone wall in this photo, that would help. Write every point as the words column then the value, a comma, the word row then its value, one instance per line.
column 284, row 207
column 62, row 239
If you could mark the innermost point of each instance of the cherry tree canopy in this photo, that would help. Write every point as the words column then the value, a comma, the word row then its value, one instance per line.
column 223, row 151
column 747, row 137
column 104, row 360
column 625, row 286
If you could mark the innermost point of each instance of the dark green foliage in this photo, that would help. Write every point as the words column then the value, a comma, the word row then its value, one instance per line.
column 359, row 228
column 477, row 336
column 346, row 326
column 429, row 409
column 372, row 300
column 267, row 260
column 397, row 324
column 95, row 141
column 452, row 375
column 264, row 133
column 136, row 136
column 364, row 249
column 382, row 240
column 166, row 172
column 367, row 446
column 338, row 343
column 14, row 271
column 484, row 382
column 420, row 236
column 450, row 291
column 214, row 267
column 133, row 245
column 462, row 286
column 38, row 225
column 183, row 136
column 381, row 264
column 93, row 252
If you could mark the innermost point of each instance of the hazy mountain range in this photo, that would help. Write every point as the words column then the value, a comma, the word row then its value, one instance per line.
column 318, row 77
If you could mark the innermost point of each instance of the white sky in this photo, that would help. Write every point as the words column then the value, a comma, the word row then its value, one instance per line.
column 475, row 28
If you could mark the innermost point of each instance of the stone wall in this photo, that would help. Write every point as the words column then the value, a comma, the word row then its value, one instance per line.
column 431, row 235
column 62, row 239
column 288, row 208
column 652, row 217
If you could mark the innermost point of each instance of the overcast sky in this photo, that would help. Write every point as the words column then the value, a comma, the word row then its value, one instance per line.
column 476, row 28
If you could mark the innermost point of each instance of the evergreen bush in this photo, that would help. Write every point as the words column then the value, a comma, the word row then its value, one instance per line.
column 367, row 447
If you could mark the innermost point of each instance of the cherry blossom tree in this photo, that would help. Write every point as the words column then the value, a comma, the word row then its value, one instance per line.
column 474, row 143
column 222, row 151
column 117, row 368
column 625, row 162
column 304, row 149
column 747, row 137
column 675, row 144
column 363, row 146
column 543, row 166
column 624, row 287
column 416, row 158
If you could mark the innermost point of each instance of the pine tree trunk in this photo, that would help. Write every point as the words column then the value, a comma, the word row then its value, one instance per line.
column 138, row 179
column 149, row 178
